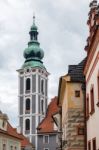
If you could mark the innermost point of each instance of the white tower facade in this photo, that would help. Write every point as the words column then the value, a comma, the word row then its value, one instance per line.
column 33, row 88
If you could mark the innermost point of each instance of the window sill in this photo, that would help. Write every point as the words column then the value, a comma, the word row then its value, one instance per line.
column 97, row 104
column 92, row 112
column 27, row 111
column 27, row 91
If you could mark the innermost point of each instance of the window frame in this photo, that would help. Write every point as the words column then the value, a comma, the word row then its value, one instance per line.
column 44, row 141
column 92, row 102
column 4, row 146
column 26, row 104
column 94, row 140
column 42, row 106
column 26, row 84
column 42, row 86
column 11, row 147
column 87, row 107
column 26, row 126
column 98, row 88
column 77, row 93
column 81, row 127
column 15, row 148
column 89, row 145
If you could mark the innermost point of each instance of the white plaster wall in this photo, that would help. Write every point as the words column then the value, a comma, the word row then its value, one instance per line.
column 92, row 61
column 93, row 122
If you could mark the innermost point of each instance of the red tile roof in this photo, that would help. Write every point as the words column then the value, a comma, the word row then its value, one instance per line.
column 10, row 132
column 13, row 133
column 25, row 142
column 47, row 124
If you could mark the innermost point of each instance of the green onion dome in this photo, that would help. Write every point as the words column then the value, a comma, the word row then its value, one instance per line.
column 33, row 53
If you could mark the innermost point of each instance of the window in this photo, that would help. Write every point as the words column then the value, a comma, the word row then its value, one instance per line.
column 92, row 100
column 3, row 123
column 42, row 106
column 15, row 148
column 27, row 84
column 28, row 70
column 4, row 146
column 42, row 86
column 80, row 130
column 94, row 144
column 98, row 86
column 89, row 145
column 28, row 104
column 77, row 93
column 27, row 124
column 46, row 139
column 87, row 107
column 11, row 147
column 57, row 139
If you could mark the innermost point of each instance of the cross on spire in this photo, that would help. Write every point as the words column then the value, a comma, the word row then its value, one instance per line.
column 33, row 18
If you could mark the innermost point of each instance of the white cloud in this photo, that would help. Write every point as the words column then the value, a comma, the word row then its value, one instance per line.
column 62, row 34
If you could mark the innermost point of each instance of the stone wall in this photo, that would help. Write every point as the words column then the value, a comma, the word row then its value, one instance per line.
column 74, row 120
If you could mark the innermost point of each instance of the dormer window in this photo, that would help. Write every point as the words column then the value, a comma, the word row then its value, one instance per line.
column 3, row 123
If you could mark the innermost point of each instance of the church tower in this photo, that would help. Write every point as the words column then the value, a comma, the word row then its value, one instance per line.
column 33, row 86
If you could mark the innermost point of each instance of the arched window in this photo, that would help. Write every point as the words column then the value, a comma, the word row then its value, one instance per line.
column 42, row 86
column 42, row 106
column 27, row 124
column 28, row 104
column 27, row 84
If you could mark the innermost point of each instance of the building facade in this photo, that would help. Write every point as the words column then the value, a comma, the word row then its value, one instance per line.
column 91, row 72
column 9, row 138
column 33, row 85
column 57, row 118
column 47, row 130
column 71, row 99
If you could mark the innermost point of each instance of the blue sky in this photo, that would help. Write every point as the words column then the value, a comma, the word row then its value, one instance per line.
column 62, row 34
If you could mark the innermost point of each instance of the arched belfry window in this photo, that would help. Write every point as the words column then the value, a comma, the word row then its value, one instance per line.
column 42, row 86
column 27, row 124
column 28, row 83
column 28, row 104
column 42, row 106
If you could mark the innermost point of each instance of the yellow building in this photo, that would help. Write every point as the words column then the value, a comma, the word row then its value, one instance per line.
column 71, row 99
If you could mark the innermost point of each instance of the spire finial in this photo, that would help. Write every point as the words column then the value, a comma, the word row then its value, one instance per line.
column 33, row 18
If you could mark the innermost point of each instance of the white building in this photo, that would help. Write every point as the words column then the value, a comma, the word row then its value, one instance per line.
column 33, row 85
column 91, row 72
